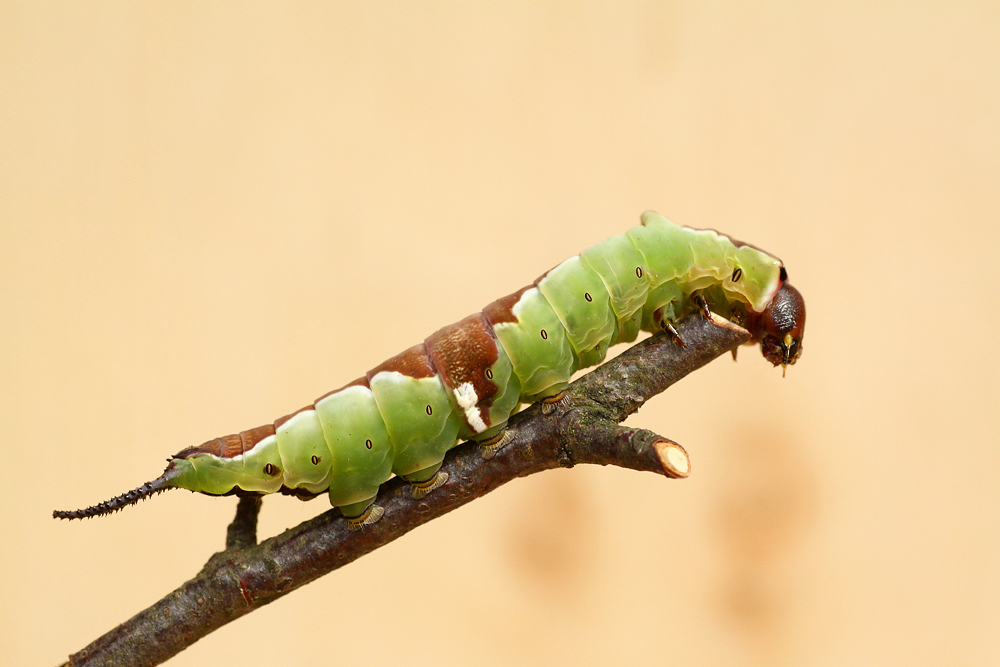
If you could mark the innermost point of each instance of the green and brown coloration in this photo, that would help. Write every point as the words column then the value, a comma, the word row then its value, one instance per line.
column 466, row 380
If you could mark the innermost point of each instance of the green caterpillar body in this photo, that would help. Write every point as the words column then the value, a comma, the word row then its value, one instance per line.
column 466, row 380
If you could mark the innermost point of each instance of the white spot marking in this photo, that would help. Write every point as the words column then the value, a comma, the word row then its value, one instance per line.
column 465, row 395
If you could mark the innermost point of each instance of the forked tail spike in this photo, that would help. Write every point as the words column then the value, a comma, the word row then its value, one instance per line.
column 158, row 485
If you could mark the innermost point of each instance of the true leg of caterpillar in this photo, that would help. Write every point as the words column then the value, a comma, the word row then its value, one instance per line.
column 668, row 326
column 738, row 314
column 699, row 301
column 493, row 444
column 359, row 515
column 660, row 319
column 550, row 403
column 424, row 481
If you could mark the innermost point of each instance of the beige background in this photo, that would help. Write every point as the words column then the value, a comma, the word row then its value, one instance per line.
column 212, row 213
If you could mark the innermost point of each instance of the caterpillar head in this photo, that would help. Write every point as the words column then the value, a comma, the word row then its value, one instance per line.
column 781, row 326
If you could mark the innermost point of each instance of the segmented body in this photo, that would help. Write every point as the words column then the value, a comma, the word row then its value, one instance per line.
column 465, row 380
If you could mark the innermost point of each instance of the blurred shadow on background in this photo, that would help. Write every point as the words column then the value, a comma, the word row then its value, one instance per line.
column 766, row 508
column 548, row 543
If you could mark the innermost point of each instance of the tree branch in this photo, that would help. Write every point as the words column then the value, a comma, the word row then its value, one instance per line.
column 583, row 428
column 242, row 532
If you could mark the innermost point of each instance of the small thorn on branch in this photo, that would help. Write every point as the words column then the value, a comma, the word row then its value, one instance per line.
column 720, row 321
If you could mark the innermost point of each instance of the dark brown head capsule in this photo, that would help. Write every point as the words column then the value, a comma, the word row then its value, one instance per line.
column 781, row 326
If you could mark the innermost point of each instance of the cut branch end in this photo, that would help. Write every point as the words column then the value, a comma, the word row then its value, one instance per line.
column 673, row 458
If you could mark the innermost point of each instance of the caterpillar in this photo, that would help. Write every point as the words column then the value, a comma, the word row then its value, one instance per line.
column 465, row 380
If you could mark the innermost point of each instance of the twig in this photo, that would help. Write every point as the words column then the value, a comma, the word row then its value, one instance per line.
column 584, row 428
column 242, row 532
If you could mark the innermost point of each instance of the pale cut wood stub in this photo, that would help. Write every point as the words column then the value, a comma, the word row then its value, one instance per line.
column 674, row 459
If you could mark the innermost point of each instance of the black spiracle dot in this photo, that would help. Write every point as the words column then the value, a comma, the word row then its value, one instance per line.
column 368, row 444
column 545, row 335
column 315, row 460
column 586, row 295
column 737, row 274
column 489, row 374
column 638, row 271
column 429, row 411
column 270, row 469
